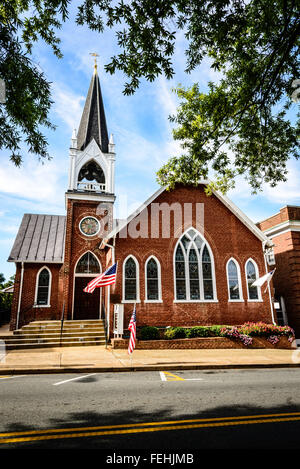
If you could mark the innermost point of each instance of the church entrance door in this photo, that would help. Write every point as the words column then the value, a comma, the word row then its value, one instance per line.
column 86, row 305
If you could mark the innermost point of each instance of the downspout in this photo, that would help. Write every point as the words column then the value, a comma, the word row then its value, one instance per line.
column 20, row 295
column 108, row 296
column 269, row 289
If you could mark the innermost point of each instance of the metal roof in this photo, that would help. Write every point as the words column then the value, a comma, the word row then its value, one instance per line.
column 40, row 238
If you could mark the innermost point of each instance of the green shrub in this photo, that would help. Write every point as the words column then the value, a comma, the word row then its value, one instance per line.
column 215, row 331
column 149, row 333
column 197, row 331
column 175, row 333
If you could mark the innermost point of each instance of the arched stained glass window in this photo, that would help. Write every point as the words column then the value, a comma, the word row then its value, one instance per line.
column 207, row 275
column 88, row 264
column 43, row 287
column 252, row 275
column 194, row 272
column 130, row 273
column 233, row 279
column 152, row 280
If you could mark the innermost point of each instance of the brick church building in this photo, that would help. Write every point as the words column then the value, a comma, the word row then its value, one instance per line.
column 283, row 229
column 183, row 258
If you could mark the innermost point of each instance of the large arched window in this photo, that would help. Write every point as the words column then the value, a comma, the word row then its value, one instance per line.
column 234, row 281
column 252, row 274
column 194, row 269
column 152, row 280
column 43, row 287
column 130, row 280
column 88, row 264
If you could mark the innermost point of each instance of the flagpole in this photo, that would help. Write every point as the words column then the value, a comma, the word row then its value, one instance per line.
column 108, row 310
column 269, row 291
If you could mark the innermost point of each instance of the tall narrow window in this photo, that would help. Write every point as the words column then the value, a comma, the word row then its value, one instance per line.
column 152, row 280
column 43, row 288
column 252, row 275
column 130, row 280
column 207, row 275
column 180, row 274
column 233, row 279
column 194, row 271
column 194, row 275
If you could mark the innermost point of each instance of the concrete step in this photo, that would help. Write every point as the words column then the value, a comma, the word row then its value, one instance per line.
column 53, row 344
column 66, row 322
column 51, row 332
column 44, row 339
column 38, row 334
column 69, row 330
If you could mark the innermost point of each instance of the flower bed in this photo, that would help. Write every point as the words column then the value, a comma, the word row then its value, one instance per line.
column 202, row 343
column 254, row 335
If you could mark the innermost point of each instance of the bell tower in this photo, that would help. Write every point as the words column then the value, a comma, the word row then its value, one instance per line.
column 89, row 199
column 92, row 153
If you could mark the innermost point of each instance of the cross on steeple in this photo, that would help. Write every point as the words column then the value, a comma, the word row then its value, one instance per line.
column 95, row 55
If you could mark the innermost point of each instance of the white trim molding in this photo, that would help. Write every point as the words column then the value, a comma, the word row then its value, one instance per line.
column 159, row 299
column 290, row 225
column 137, row 280
column 239, row 279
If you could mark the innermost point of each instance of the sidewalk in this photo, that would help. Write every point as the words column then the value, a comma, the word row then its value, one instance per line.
column 100, row 359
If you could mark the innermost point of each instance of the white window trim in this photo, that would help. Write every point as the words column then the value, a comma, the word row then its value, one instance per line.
column 137, row 280
column 241, row 299
column 158, row 279
column 201, row 300
column 259, row 300
column 36, row 288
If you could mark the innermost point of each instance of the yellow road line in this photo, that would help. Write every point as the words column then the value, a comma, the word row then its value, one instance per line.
column 166, row 424
column 172, row 377
column 145, row 430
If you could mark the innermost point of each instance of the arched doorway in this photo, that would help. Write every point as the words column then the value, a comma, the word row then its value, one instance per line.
column 86, row 305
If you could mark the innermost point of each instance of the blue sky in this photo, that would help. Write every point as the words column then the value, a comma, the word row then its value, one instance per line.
column 142, row 134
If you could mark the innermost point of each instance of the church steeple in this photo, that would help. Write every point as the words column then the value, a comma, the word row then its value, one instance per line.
column 92, row 153
column 93, row 121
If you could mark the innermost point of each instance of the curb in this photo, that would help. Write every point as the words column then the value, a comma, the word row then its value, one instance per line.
column 59, row 370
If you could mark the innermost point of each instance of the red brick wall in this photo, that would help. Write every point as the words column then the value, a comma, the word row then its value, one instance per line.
column 287, row 275
column 77, row 244
column 227, row 237
column 286, row 213
column 27, row 312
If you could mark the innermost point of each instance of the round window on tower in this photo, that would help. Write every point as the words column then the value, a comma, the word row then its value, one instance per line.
column 89, row 226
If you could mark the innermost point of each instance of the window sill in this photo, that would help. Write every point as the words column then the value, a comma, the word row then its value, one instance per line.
column 196, row 301
column 42, row 306
column 130, row 301
column 255, row 301
column 236, row 301
column 153, row 301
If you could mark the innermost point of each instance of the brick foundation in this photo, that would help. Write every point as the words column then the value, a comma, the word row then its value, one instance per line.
column 202, row 343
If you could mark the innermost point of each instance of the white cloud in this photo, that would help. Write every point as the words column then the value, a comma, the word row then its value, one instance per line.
column 68, row 105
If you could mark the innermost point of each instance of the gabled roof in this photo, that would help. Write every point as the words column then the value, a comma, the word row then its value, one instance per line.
column 40, row 238
column 93, row 121
column 225, row 200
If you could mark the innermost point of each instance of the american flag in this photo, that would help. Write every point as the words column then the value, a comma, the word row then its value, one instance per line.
column 132, row 328
column 107, row 278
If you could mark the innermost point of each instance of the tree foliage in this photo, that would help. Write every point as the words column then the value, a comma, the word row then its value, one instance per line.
column 28, row 98
column 5, row 298
column 241, row 125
